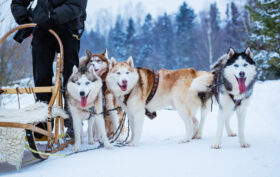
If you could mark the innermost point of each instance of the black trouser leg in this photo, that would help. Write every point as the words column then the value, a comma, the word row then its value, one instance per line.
column 43, row 52
column 71, row 57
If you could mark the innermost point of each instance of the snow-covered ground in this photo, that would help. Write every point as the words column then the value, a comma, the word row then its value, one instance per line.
column 159, row 153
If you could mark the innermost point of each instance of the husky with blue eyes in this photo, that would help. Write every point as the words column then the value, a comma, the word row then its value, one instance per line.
column 84, row 90
column 235, row 75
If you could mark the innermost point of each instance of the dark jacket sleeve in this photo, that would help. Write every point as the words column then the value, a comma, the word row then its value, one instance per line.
column 69, row 10
column 19, row 11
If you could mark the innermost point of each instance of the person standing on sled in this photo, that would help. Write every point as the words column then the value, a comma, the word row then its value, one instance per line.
column 66, row 18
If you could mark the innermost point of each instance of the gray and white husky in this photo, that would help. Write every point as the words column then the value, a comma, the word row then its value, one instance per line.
column 234, row 78
column 83, row 92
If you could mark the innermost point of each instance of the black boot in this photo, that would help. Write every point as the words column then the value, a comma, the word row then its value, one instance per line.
column 68, row 123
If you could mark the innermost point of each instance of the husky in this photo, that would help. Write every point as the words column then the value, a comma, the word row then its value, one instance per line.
column 83, row 92
column 234, row 77
column 132, row 87
column 100, row 63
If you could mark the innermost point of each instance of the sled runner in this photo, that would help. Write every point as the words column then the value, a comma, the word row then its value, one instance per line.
column 52, row 143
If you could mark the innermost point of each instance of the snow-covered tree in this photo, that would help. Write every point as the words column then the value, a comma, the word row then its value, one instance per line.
column 146, row 42
column 234, row 29
column 130, row 41
column 164, row 42
column 116, row 40
column 265, row 37
column 185, row 38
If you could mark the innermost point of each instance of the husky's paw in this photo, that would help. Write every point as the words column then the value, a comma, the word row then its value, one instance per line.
column 109, row 146
column 197, row 136
column 75, row 149
column 131, row 144
column 90, row 141
column 232, row 135
column 120, row 140
column 95, row 139
column 184, row 141
column 245, row 145
column 216, row 146
column 82, row 141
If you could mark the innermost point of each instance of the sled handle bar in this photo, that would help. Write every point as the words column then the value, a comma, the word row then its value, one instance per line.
column 30, row 25
column 59, row 59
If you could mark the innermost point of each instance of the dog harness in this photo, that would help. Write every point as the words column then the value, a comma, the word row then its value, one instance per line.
column 151, row 115
column 236, row 102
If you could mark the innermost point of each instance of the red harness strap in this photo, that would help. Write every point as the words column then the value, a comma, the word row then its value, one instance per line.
column 152, row 115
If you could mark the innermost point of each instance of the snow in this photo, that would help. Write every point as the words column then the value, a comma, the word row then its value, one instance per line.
column 159, row 153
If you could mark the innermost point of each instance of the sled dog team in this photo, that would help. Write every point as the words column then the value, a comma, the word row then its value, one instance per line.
column 102, row 84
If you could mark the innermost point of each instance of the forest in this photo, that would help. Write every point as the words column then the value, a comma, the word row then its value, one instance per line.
column 179, row 40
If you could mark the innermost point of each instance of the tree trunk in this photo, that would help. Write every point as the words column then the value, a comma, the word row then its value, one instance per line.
column 209, row 34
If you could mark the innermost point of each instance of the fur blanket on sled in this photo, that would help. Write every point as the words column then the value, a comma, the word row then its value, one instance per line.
column 12, row 140
column 37, row 112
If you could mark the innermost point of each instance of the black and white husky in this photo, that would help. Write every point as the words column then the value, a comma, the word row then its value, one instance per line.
column 234, row 78
column 83, row 92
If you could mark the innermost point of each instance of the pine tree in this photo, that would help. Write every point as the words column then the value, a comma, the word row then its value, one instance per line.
column 215, row 36
column 93, row 41
column 234, row 28
column 164, row 35
column 130, row 42
column 116, row 40
column 209, row 40
column 130, row 30
column 185, row 35
column 146, row 42
column 265, row 37
column 215, row 18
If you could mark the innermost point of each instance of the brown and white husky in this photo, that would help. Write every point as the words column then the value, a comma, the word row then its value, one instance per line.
column 100, row 63
column 178, row 89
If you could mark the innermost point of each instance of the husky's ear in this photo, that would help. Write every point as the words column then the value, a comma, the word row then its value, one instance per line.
column 231, row 52
column 130, row 61
column 88, row 53
column 113, row 62
column 249, row 52
column 91, row 69
column 75, row 69
column 105, row 53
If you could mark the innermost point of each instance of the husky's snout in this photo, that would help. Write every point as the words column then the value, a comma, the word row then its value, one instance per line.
column 83, row 98
column 241, row 82
column 123, row 86
column 82, row 93
column 242, row 74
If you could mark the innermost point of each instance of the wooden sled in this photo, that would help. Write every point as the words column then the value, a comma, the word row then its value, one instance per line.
column 52, row 138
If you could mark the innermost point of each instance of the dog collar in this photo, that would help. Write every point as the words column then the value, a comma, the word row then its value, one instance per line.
column 154, row 88
column 126, row 98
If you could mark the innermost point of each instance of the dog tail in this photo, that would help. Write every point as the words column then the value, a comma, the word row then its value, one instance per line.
column 202, row 82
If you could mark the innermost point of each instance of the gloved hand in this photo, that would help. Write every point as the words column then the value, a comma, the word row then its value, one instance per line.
column 46, row 25
column 22, row 34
